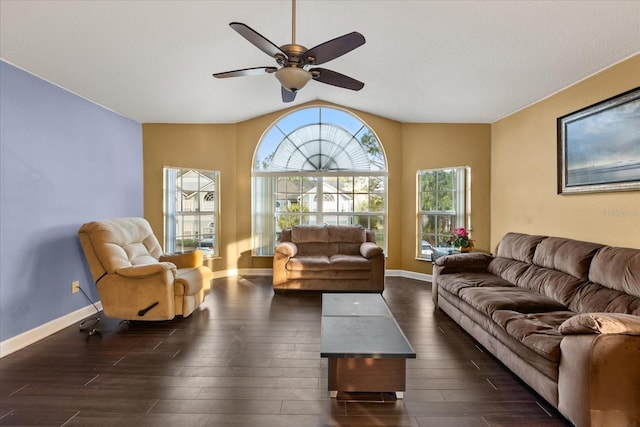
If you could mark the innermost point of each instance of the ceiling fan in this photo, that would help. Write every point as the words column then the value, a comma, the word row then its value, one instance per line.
column 294, row 59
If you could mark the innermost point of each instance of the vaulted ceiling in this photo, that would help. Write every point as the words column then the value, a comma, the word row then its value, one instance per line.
column 423, row 61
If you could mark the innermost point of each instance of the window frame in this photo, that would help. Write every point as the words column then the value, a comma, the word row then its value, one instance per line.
column 266, row 184
column 173, row 214
column 460, row 211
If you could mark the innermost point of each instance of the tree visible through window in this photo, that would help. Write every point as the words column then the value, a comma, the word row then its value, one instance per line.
column 190, row 210
column 444, row 203
column 317, row 165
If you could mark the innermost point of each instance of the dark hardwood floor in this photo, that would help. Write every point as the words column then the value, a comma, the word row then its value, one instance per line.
column 248, row 357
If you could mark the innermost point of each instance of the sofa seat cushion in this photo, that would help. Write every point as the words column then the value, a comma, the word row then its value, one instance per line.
column 490, row 299
column 457, row 281
column 536, row 331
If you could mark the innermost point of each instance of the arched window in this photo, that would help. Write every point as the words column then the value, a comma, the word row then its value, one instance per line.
column 313, row 166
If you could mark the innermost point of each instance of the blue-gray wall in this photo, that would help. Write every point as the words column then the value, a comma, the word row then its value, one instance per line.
column 63, row 161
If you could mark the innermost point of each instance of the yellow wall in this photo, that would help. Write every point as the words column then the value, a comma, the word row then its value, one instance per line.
column 432, row 146
column 524, row 168
column 230, row 149
column 200, row 146
column 513, row 164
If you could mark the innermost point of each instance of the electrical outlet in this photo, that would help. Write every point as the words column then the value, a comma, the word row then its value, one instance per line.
column 75, row 286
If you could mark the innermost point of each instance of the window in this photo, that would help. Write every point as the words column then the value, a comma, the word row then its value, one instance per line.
column 317, row 165
column 191, row 209
column 444, row 203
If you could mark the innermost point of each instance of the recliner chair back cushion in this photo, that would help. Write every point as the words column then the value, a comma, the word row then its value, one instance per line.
column 122, row 242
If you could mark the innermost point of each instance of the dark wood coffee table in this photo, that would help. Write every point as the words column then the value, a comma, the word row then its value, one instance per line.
column 366, row 348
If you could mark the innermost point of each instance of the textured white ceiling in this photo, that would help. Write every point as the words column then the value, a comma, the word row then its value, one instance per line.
column 424, row 61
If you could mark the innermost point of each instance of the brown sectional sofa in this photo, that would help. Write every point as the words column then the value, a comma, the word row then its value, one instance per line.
column 562, row 314
column 330, row 258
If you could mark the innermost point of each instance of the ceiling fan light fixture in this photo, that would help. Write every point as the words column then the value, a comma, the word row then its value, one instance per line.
column 293, row 78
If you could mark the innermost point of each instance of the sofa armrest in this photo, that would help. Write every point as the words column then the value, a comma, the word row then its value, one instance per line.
column 185, row 260
column 601, row 323
column 289, row 249
column 370, row 249
column 598, row 379
column 146, row 270
column 467, row 261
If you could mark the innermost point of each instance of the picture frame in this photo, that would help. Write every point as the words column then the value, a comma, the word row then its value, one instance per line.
column 599, row 146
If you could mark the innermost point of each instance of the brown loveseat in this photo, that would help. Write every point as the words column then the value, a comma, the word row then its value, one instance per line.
column 563, row 315
column 328, row 258
column 135, row 280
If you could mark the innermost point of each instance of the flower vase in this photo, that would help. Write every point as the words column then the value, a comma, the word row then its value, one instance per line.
column 464, row 249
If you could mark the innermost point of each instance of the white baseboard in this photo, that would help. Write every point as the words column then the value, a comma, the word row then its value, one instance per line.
column 18, row 342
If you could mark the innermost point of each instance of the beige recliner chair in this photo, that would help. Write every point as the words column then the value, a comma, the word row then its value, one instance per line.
column 135, row 280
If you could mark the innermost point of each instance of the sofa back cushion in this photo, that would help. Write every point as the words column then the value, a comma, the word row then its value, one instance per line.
column 518, row 246
column 614, row 285
column 327, row 240
column 566, row 255
column 617, row 268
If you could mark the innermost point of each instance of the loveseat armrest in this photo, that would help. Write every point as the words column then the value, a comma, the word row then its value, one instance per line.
column 289, row 249
column 601, row 323
column 191, row 259
column 370, row 249
column 146, row 270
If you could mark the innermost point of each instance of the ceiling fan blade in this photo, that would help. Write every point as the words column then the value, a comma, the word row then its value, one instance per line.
column 255, row 71
column 257, row 39
column 336, row 79
column 333, row 48
column 287, row 96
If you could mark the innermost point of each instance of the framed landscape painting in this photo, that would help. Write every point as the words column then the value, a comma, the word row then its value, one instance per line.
column 599, row 146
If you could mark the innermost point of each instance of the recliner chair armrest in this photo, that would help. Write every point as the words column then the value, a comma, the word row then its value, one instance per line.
column 185, row 260
column 289, row 249
column 370, row 249
column 145, row 270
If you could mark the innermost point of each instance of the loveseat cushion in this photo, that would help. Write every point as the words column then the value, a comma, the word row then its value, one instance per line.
column 349, row 262
column 346, row 234
column 536, row 331
column 311, row 262
column 310, row 234
column 566, row 255
column 489, row 299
